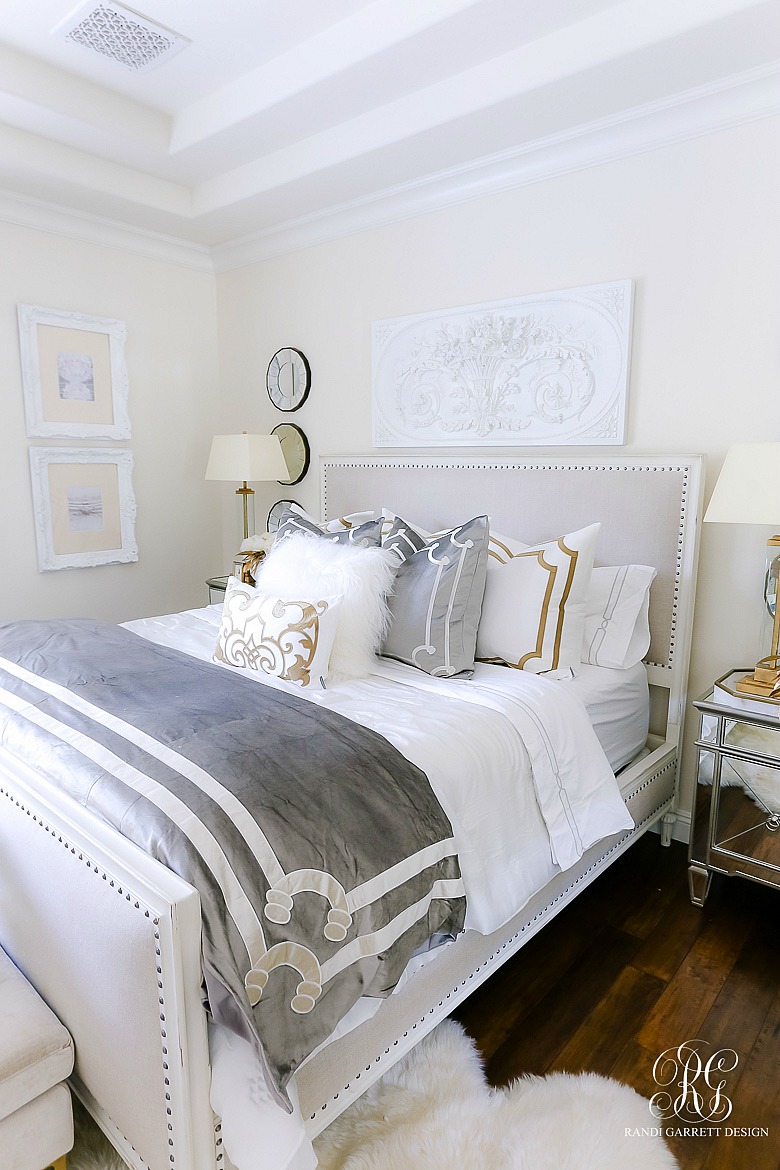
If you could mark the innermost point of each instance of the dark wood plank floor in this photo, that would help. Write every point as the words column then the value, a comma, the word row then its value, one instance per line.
column 630, row 969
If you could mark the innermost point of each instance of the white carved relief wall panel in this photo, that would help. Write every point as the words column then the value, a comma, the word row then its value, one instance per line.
column 546, row 369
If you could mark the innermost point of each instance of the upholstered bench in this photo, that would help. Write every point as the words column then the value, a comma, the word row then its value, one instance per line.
column 36, row 1055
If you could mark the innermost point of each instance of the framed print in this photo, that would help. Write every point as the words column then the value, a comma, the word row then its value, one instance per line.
column 74, row 375
column 84, row 506
column 548, row 369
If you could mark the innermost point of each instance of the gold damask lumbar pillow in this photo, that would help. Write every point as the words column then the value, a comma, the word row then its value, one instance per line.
column 287, row 637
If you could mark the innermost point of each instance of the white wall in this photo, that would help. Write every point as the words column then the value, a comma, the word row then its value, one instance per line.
column 697, row 228
column 170, row 313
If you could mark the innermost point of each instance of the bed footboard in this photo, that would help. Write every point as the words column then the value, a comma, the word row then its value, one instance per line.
column 111, row 940
column 335, row 1077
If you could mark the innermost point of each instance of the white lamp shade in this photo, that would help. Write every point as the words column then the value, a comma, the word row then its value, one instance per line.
column 246, row 458
column 748, row 487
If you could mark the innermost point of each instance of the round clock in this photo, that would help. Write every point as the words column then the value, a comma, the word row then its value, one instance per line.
column 276, row 513
column 288, row 379
column 295, row 448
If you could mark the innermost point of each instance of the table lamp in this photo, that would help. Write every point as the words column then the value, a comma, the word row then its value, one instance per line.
column 748, row 492
column 246, row 458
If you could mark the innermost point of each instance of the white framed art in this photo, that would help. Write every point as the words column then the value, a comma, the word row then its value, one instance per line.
column 545, row 369
column 74, row 375
column 84, row 506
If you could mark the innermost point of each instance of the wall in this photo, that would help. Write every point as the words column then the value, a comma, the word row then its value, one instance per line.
column 695, row 225
column 171, row 351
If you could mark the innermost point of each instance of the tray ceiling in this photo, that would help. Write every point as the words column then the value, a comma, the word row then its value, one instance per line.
column 280, row 113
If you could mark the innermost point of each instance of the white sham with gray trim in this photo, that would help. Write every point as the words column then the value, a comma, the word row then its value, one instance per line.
column 617, row 628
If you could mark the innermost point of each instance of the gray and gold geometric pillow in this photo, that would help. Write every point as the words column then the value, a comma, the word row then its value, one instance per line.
column 363, row 535
column 436, row 601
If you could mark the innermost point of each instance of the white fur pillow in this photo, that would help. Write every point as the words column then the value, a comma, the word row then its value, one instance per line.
column 361, row 577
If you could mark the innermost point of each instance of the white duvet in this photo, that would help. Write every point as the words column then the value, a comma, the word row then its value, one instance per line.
column 514, row 762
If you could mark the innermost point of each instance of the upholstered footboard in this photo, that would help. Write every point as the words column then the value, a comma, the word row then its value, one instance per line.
column 111, row 940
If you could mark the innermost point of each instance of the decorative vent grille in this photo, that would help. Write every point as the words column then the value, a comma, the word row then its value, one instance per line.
column 122, row 35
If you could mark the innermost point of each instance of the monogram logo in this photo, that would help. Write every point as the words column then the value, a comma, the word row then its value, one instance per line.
column 698, row 1078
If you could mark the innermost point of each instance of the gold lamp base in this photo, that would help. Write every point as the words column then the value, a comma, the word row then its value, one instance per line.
column 765, row 679
column 245, row 492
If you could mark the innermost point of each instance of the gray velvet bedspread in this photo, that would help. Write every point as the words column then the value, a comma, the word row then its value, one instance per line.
column 321, row 855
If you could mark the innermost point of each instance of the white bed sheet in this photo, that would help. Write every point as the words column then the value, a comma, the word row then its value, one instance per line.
column 513, row 760
column 618, row 705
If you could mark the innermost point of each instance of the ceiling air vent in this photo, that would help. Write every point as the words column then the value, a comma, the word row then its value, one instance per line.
column 121, row 35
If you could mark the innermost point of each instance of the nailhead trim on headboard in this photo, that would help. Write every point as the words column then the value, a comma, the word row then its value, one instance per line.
column 477, row 463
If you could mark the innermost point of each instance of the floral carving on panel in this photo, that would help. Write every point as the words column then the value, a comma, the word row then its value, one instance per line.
column 549, row 369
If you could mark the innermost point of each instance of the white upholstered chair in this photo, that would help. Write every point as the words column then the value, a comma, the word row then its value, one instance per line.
column 36, row 1056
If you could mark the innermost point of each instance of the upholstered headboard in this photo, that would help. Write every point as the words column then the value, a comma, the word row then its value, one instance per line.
column 648, row 507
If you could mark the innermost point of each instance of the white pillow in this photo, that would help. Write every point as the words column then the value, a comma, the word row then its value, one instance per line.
column 534, row 608
column 617, row 630
column 289, row 637
column 360, row 577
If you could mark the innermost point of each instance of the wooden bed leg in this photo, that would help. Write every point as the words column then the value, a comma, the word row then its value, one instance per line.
column 668, row 821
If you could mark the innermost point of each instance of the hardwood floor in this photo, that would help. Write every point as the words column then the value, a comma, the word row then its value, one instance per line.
column 631, row 969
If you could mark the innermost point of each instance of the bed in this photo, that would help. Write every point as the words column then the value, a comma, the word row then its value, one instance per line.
column 125, row 975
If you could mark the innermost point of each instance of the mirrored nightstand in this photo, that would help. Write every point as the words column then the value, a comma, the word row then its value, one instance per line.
column 216, row 588
column 736, row 815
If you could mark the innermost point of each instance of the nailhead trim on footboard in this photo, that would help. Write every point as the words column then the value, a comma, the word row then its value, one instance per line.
column 154, row 922
column 166, row 1014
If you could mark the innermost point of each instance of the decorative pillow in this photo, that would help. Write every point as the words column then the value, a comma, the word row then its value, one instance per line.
column 437, row 597
column 617, row 629
column 364, row 535
column 360, row 577
column 534, row 608
column 284, row 636
column 341, row 523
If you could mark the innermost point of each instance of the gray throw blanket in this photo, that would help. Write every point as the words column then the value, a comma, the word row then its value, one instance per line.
column 322, row 857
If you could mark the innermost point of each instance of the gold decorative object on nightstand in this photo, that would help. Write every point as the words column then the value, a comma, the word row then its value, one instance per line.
column 251, row 555
column 747, row 493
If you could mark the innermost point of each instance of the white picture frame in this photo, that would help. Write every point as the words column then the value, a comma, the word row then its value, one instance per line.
column 84, row 507
column 74, row 375
column 547, row 369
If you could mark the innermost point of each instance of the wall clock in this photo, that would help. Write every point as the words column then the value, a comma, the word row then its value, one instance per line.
column 295, row 448
column 288, row 379
column 276, row 513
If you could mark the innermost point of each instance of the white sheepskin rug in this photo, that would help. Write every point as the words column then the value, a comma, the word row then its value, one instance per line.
column 91, row 1150
column 434, row 1111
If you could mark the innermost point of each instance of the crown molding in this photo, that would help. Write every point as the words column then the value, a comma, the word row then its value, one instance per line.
column 730, row 102
column 25, row 211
